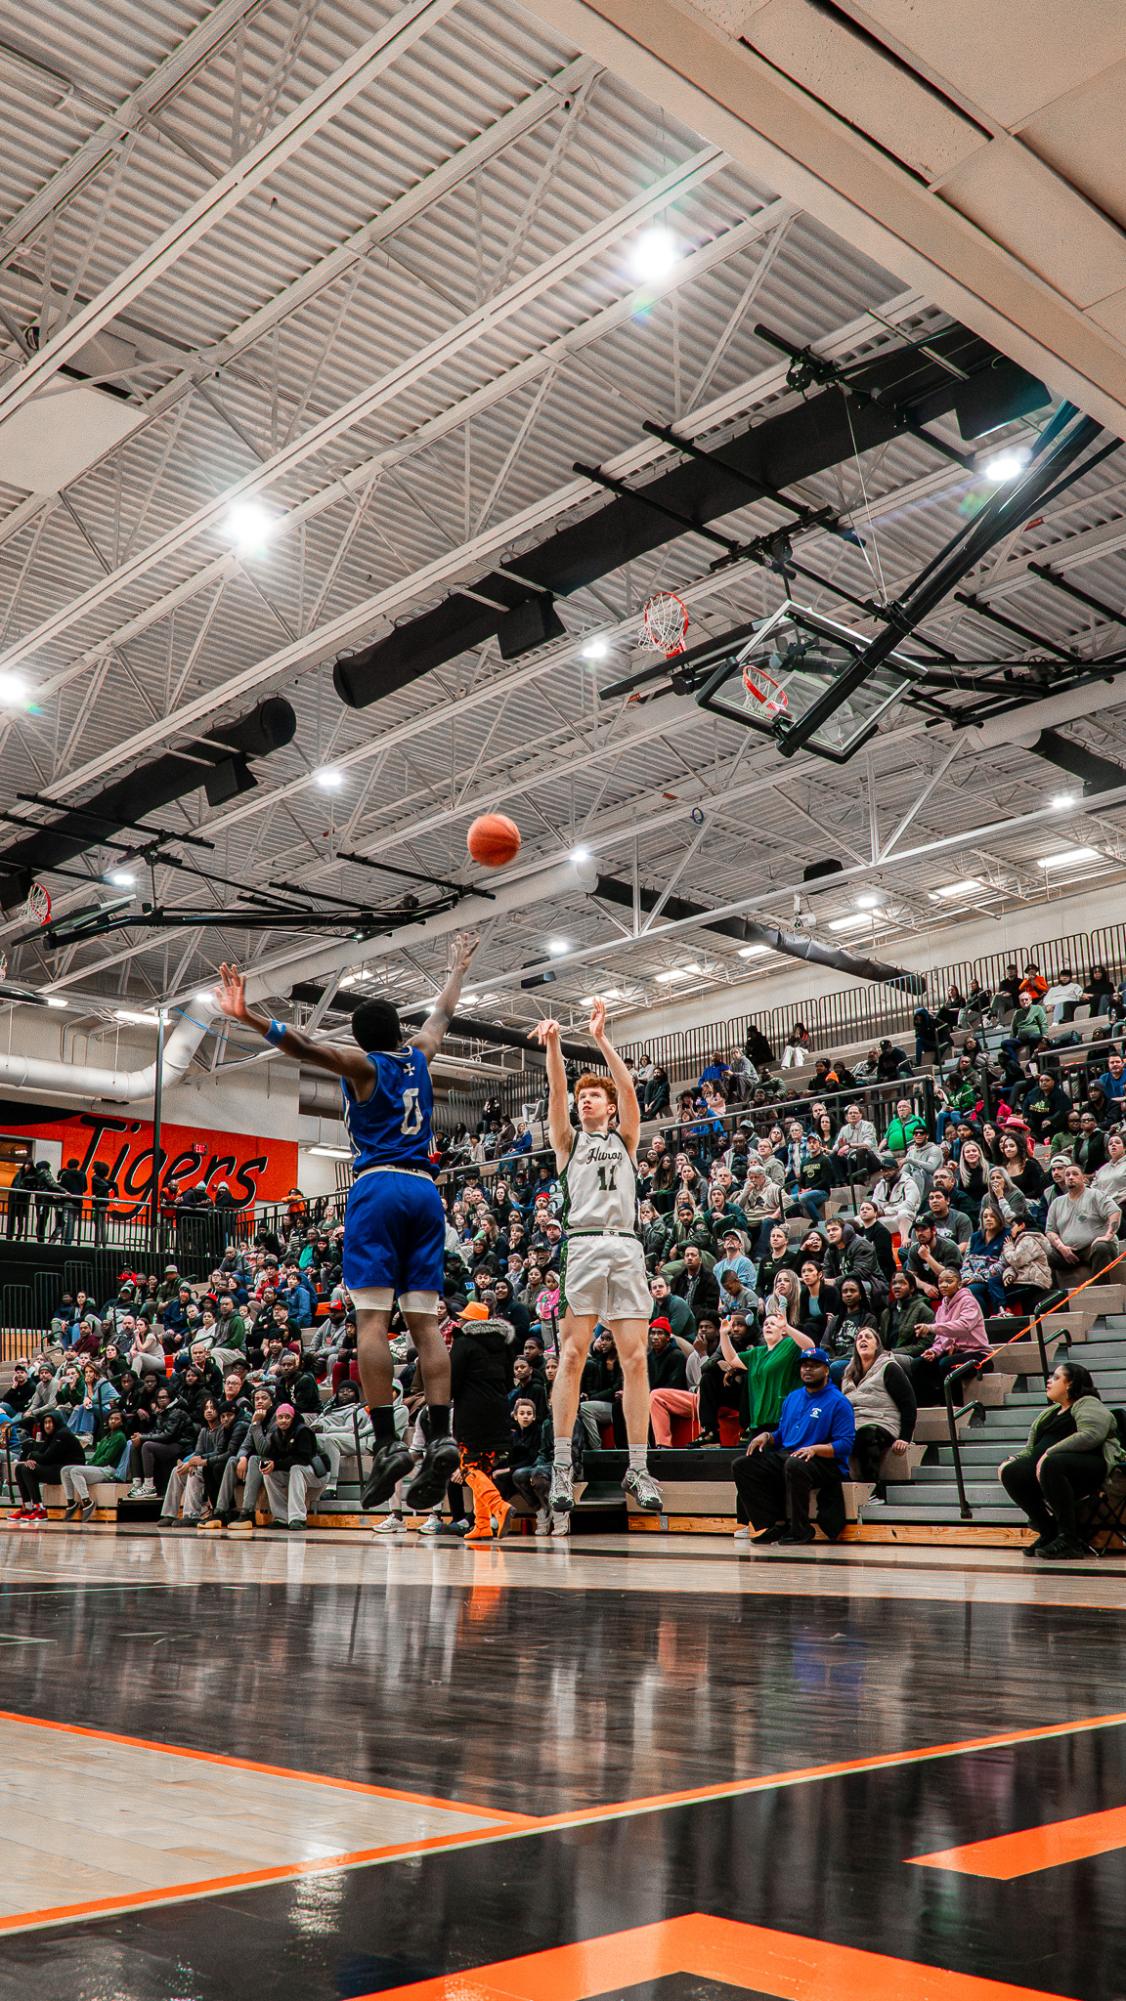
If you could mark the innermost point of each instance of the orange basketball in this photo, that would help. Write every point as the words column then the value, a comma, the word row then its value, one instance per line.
column 493, row 840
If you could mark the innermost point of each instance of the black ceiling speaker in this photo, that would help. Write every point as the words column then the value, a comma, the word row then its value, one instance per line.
column 528, row 626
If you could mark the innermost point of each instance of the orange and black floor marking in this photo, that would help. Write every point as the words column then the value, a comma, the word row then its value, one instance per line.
column 558, row 1797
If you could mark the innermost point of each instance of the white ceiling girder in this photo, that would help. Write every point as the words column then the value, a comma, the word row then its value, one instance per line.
column 494, row 139
column 373, row 56
column 688, row 56
column 473, row 327
column 197, row 48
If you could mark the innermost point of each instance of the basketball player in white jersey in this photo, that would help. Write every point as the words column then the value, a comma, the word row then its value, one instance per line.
column 603, row 1268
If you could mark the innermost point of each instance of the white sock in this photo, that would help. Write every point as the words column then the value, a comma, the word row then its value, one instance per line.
column 562, row 1454
column 639, row 1458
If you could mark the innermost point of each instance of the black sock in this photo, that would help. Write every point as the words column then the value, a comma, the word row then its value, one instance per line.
column 439, row 1420
column 382, row 1422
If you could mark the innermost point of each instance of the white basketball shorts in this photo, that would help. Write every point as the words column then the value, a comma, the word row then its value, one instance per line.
column 605, row 1277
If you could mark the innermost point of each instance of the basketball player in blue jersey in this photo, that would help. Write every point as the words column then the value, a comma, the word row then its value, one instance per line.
column 394, row 1225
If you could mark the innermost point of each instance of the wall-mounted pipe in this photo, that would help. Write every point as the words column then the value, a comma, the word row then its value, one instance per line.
column 89, row 1082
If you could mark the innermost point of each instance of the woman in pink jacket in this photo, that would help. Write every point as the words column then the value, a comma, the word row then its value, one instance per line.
column 956, row 1334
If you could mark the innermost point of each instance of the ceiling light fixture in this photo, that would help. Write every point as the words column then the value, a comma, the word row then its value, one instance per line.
column 1069, row 858
column 329, row 778
column 13, row 690
column 596, row 648
column 580, row 854
column 1062, row 802
column 857, row 920
column 1006, row 465
column 556, row 947
column 121, row 878
column 752, row 951
column 869, row 899
column 654, row 256
column 56, row 1000
column 136, row 1017
column 249, row 527
column 949, row 889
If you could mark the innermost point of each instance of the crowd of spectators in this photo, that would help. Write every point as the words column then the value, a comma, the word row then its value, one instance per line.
column 802, row 1243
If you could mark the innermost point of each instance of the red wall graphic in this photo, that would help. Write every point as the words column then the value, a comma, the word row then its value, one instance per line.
column 257, row 1170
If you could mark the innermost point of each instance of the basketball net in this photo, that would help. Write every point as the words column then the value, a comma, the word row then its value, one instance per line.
column 38, row 904
column 765, row 690
column 664, row 623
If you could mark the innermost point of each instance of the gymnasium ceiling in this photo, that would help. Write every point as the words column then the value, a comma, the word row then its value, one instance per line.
column 372, row 271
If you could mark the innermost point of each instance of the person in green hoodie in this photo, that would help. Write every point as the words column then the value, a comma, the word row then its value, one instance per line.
column 1072, row 1446
column 108, row 1461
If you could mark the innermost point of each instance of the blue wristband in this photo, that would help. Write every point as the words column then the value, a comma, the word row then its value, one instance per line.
column 276, row 1033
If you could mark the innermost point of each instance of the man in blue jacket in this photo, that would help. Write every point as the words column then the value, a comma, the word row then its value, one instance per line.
column 810, row 1449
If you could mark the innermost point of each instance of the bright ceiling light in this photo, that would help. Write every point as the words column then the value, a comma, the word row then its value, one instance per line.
column 580, row 854
column 1062, row 802
column 330, row 1152
column 137, row 1017
column 248, row 526
column 121, row 878
column 56, row 1000
column 557, row 946
column 1069, row 857
column 949, row 889
column 869, row 899
column 752, row 951
column 596, row 648
column 857, row 920
column 329, row 778
column 586, row 1000
column 1006, row 465
column 678, row 973
column 470, row 1000
column 612, row 993
column 655, row 254
column 13, row 690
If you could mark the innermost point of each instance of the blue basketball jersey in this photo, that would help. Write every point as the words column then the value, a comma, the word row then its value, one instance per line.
column 392, row 1127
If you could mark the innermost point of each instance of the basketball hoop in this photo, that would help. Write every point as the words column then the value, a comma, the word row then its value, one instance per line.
column 765, row 689
column 664, row 623
column 38, row 905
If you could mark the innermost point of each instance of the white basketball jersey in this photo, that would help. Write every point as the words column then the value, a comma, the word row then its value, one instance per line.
column 599, row 1184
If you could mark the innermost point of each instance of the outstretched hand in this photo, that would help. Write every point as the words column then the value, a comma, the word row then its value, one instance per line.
column 546, row 1031
column 230, row 994
column 598, row 1020
column 461, row 952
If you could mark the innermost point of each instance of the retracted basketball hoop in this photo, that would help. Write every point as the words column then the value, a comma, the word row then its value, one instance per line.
column 664, row 623
column 764, row 689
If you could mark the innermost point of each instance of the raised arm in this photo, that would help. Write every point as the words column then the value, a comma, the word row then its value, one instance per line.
column 629, row 1111
column 230, row 998
column 558, row 1121
column 428, row 1038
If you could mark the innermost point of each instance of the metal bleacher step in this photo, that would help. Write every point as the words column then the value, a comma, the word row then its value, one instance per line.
column 985, row 1516
column 979, row 1493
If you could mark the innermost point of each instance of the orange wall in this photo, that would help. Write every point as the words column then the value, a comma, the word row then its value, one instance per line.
column 257, row 1169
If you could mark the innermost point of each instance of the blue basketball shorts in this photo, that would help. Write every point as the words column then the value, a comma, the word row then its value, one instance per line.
column 394, row 1233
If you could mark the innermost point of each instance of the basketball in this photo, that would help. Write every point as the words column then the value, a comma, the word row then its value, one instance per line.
column 493, row 840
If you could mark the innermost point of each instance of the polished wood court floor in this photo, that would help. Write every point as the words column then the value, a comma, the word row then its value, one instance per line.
column 325, row 1767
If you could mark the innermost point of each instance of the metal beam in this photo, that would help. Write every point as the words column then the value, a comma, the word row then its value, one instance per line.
column 481, row 323
column 373, row 56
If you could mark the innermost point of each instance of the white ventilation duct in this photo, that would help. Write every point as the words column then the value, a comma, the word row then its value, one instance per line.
column 1023, row 725
column 276, row 976
column 123, row 1087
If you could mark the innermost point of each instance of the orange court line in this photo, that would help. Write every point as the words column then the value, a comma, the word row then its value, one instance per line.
column 810, row 1774
column 506, row 1827
column 495, row 1814
column 1006, row 1856
column 248, row 1879
column 782, row 1964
